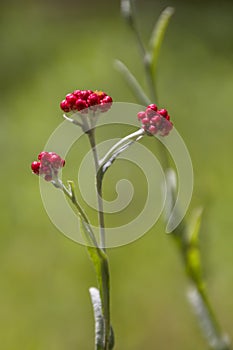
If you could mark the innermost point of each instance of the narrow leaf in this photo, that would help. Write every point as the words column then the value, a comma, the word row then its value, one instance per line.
column 126, row 10
column 111, row 339
column 98, row 316
column 170, row 192
column 100, row 262
column 132, row 83
column 98, row 257
column 106, row 165
column 114, row 152
column 194, row 267
column 157, row 37
column 194, row 229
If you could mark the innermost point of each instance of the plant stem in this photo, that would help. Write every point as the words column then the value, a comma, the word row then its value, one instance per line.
column 137, row 134
column 101, row 266
column 144, row 54
column 182, row 246
column 91, row 135
column 180, row 232
column 202, row 306
column 91, row 240
column 105, row 274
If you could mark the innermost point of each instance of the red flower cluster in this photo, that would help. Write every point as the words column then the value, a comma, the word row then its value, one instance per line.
column 79, row 100
column 155, row 121
column 48, row 165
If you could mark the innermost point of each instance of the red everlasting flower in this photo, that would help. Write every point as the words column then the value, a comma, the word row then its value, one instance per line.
column 155, row 121
column 79, row 100
column 48, row 165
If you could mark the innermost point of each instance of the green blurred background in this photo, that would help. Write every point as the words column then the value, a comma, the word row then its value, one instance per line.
column 49, row 48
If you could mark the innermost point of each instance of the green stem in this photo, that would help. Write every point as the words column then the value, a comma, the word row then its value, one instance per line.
column 145, row 55
column 180, row 232
column 105, row 264
column 103, row 279
column 106, row 302
column 184, row 247
column 91, row 135
column 71, row 195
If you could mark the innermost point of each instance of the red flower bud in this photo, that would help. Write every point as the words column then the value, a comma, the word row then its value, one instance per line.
column 84, row 94
column 152, row 129
column 45, row 169
column 35, row 166
column 150, row 112
column 41, row 155
column 65, row 106
column 155, row 121
column 81, row 104
column 141, row 115
column 106, row 99
column 145, row 120
column 71, row 99
column 49, row 164
column 163, row 112
column 153, row 107
column 77, row 93
column 93, row 99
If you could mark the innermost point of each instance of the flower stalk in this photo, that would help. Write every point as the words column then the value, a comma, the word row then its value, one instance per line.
column 91, row 136
column 105, row 275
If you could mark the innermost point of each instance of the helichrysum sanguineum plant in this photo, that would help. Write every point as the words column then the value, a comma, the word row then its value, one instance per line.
column 82, row 108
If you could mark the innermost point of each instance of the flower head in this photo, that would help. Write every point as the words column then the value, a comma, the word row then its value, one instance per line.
column 80, row 100
column 48, row 165
column 155, row 121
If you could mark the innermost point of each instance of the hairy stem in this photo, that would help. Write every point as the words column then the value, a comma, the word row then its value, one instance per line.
column 135, row 135
column 105, row 266
column 91, row 136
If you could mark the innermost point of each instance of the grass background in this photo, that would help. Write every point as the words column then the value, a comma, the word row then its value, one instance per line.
column 49, row 48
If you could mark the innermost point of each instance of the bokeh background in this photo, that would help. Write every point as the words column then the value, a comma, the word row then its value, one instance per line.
column 49, row 48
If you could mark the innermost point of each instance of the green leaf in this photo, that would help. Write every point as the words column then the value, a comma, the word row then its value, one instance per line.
column 170, row 210
column 194, row 228
column 132, row 83
column 100, row 262
column 157, row 37
column 194, row 267
column 99, row 320
column 88, row 234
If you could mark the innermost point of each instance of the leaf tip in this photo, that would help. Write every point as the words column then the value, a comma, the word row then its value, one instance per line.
column 126, row 10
